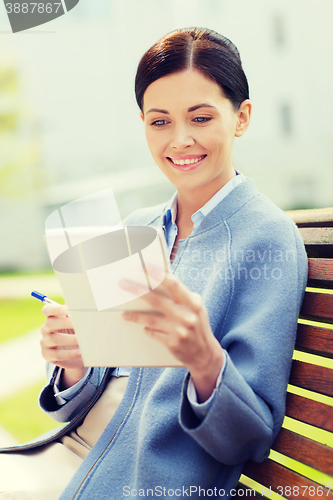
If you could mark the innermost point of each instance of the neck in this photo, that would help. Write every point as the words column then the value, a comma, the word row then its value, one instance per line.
column 191, row 200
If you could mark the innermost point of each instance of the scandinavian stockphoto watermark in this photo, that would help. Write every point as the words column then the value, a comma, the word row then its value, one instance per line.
column 24, row 15
column 226, row 265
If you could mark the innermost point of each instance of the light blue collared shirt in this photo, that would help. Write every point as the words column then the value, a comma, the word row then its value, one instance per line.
column 171, row 231
column 170, row 217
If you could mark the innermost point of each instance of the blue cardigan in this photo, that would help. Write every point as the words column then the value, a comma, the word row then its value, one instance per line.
column 248, row 262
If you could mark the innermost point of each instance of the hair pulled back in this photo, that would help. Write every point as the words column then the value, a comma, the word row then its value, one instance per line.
column 214, row 55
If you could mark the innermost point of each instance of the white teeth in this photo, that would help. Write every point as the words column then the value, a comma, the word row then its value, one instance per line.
column 186, row 162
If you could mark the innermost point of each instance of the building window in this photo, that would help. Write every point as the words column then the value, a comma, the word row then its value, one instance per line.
column 279, row 30
column 286, row 120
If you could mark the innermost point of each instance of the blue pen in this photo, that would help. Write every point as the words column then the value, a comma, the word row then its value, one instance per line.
column 44, row 298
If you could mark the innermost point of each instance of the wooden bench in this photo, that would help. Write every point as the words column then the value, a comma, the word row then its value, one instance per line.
column 314, row 336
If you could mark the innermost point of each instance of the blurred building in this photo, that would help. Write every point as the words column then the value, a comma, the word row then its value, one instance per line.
column 71, row 125
column 19, row 172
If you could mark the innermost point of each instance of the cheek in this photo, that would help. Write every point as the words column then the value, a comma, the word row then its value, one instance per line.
column 214, row 142
column 156, row 141
column 212, row 138
column 221, row 138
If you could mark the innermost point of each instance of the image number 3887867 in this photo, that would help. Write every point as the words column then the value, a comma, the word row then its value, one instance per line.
column 24, row 15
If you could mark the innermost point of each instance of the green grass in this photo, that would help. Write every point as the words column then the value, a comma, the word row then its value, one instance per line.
column 21, row 415
column 17, row 316
column 20, row 274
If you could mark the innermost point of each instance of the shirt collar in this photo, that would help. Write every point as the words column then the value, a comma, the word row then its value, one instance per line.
column 170, row 213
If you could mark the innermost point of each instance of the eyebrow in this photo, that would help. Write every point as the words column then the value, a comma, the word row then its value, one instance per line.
column 203, row 105
column 192, row 108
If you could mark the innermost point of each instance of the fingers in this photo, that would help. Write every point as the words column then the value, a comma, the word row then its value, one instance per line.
column 171, row 332
column 57, row 353
column 176, row 290
column 56, row 323
column 59, row 340
column 159, row 327
column 57, row 346
column 180, row 322
column 61, row 349
column 63, row 359
column 153, row 320
column 182, row 295
column 173, row 342
column 54, row 310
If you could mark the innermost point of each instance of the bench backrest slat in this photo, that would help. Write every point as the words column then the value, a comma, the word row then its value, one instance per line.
column 316, row 217
column 305, row 450
column 309, row 411
column 318, row 241
column 274, row 475
column 317, row 235
column 321, row 269
column 312, row 377
column 317, row 307
column 315, row 340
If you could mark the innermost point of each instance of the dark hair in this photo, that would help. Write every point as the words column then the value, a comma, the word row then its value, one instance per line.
column 205, row 50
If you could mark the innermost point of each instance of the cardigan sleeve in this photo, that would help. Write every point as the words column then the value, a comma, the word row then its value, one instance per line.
column 72, row 408
column 258, row 336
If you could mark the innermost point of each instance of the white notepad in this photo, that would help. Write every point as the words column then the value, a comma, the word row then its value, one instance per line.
column 89, row 262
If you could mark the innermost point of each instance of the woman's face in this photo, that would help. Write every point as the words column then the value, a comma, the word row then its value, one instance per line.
column 190, row 128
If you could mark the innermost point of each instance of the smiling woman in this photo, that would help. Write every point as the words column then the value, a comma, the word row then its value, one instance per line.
column 230, row 320
column 190, row 127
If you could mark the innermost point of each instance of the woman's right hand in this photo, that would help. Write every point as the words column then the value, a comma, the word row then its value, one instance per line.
column 60, row 348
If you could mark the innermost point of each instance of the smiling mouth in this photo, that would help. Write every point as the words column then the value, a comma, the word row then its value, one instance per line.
column 188, row 161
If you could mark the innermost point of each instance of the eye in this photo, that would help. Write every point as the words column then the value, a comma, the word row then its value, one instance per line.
column 202, row 119
column 159, row 123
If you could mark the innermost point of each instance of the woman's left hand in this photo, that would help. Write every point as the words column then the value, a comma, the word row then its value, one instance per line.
column 180, row 321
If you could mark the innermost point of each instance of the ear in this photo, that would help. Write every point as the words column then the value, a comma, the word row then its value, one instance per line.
column 141, row 116
column 243, row 117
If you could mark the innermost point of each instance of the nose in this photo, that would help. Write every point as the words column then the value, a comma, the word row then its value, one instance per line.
column 181, row 138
